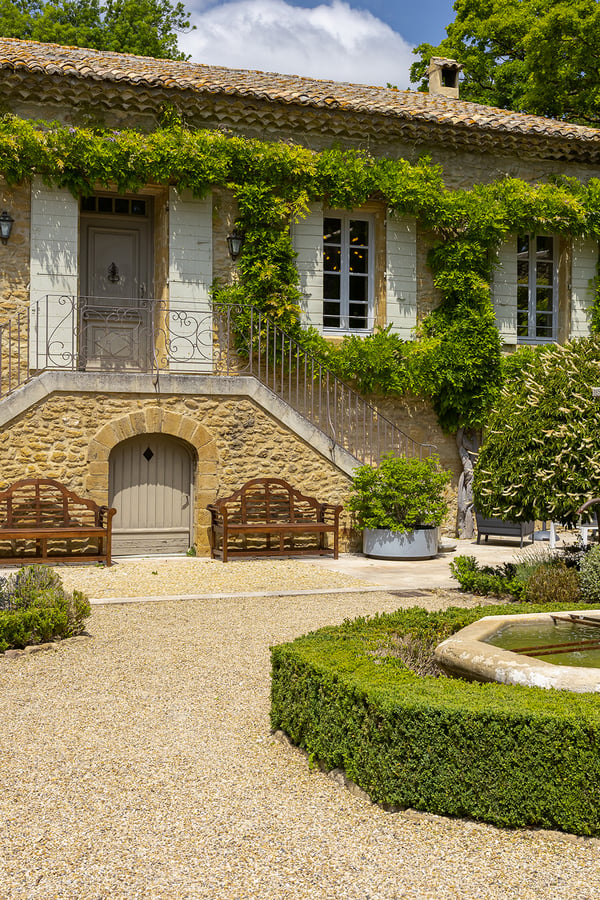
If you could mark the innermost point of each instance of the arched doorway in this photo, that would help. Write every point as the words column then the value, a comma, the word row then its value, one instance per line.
column 151, row 486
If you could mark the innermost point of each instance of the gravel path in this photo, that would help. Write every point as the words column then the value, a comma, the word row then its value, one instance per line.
column 188, row 575
column 138, row 763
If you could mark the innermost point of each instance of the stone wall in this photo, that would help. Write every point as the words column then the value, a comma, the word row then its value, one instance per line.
column 69, row 437
column 14, row 285
column 14, row 256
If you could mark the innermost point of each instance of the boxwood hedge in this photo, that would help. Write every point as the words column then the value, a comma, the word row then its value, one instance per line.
column 508, row 755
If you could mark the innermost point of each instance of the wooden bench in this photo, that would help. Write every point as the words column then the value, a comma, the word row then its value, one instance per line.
column 41, row 510
column 270, row 507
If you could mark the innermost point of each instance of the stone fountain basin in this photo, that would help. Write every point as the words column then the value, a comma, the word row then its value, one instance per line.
column 466, row 655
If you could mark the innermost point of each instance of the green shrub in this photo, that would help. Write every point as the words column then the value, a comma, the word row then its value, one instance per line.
column 498, row 581
column 35, row 608
column 31, row 582
column 508, row 755
column 539, row 577
column 589, row 576
column 553, row 582
column 400, row 494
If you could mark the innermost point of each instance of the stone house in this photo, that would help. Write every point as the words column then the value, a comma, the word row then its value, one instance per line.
column 82, row 278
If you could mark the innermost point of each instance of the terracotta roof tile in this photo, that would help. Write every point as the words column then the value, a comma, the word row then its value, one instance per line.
column 77, row 62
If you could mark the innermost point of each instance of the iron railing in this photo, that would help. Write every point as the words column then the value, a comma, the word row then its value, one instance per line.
column 90, row 334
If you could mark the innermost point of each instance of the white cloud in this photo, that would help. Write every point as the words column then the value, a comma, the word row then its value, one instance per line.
column 331, row 41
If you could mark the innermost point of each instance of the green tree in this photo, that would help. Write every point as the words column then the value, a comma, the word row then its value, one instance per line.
column 143, row 27
column 541, row 455
column 534, row 56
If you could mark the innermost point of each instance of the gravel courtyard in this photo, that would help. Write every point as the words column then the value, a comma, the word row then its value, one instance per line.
column 138, row 763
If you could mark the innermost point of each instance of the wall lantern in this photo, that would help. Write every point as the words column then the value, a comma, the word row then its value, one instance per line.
column 6, row 224
column 235, row 241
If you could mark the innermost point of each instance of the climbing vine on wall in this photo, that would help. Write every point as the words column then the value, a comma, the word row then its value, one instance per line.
column 455, row 360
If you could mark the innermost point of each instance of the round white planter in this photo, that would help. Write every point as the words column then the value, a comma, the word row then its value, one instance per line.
column 383, row 544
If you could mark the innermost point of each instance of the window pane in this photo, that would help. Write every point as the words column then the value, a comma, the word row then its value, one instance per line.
column 544, row 247
column 331, row 287
column 358, row 289
column 522, row 298
column 543, row 299
column 523, row 245
column 121, row 205
column 138, row 207
column 359, row 232
column 88, row 204
column 359, row 261
column 358, row 316
column 331, row 314
column 522, row 272
column 522, row 325
column 544, row 273
column 105, row 204
column 332, row 259
column 543, row 326
column 332, row 231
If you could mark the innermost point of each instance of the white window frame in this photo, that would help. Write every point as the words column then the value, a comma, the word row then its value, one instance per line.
column 531, row 337
column 346, row 217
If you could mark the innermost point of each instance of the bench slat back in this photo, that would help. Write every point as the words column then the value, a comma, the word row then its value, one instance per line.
column 270, row 500
column 45, row 503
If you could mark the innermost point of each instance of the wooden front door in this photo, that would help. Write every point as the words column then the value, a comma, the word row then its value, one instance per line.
column 151, row 487
column 115, row 315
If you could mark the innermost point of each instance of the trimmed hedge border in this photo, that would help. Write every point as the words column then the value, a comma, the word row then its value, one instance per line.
column 508, row 755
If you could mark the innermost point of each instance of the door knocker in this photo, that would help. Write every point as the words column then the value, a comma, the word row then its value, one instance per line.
column 113, row 273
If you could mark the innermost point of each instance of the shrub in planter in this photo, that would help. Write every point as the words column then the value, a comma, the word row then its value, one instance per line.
column 400, row 495
column 399, row 505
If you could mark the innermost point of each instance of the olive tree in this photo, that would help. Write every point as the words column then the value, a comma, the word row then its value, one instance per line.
column 540, row 457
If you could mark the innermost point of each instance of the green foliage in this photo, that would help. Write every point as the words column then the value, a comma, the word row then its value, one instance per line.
column 554, row 583
column 589, row 576
column 508, row 755
column 34, row 607
column 31, row 582
column 535, row 56
column 457, row 363
column 455, row 360
column 142, row 27
column 538, row 577
column 401, row 494
column 541, row 456
column 498, row 581
column 373, row 364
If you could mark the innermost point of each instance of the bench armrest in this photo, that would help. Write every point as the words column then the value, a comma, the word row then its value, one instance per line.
column 106, row 512
column 330, row 509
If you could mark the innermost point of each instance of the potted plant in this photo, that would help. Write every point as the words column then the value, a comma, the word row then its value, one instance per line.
column 400, row 506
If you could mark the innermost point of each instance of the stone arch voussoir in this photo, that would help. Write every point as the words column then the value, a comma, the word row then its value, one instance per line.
column 150, row 419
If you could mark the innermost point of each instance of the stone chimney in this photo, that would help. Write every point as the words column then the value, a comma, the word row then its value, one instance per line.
column 443, row 76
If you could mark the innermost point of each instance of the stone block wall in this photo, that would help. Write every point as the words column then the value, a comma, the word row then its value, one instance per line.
column 14, row 256
column 14, row 285
column 69, row 437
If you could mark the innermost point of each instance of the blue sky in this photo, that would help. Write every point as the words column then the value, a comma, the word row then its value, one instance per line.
column 367, row 42
column 417, row 22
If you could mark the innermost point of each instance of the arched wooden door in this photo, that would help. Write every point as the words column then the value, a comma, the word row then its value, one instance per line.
column 151, row 487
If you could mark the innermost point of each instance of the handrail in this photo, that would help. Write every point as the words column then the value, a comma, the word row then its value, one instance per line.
column 63, row 332
column 279, row 361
